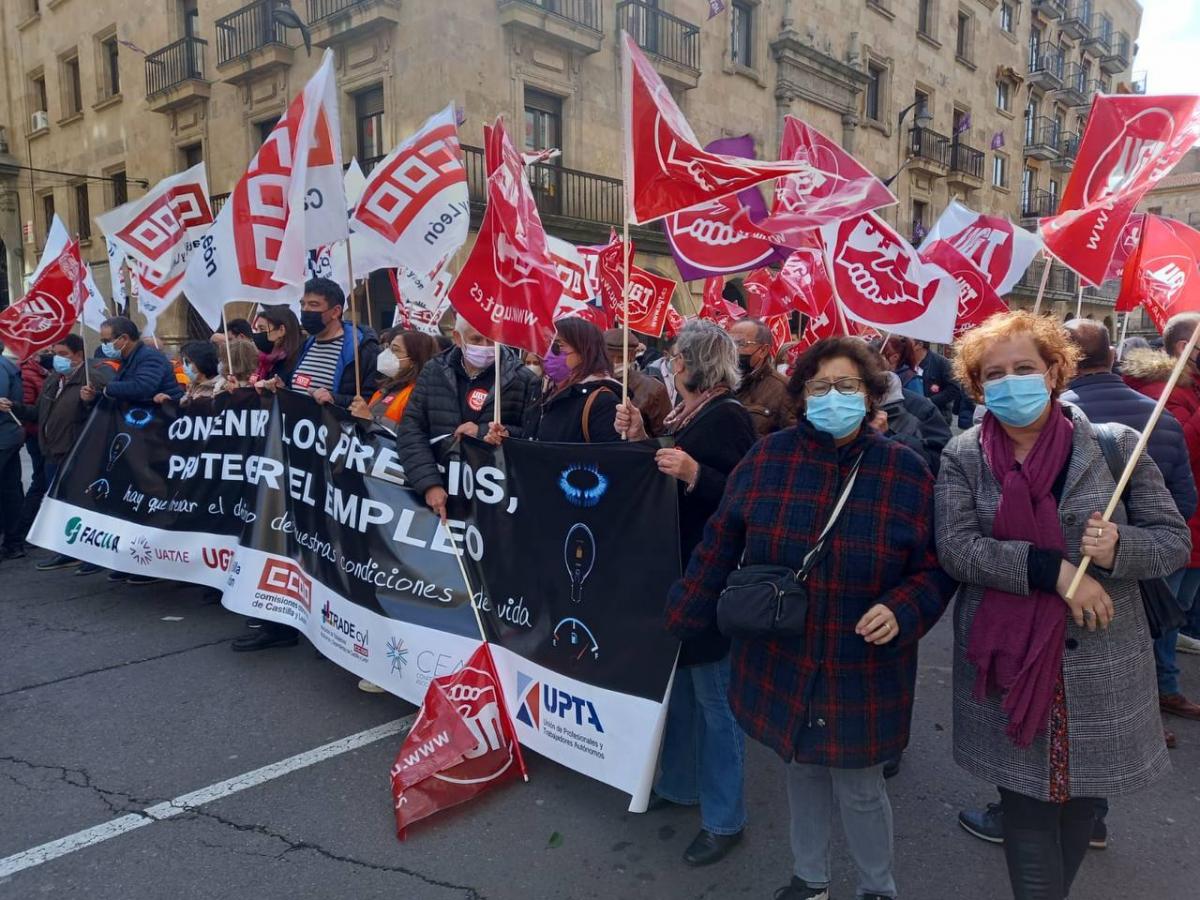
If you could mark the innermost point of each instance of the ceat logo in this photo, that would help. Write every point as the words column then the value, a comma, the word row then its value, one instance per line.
column 538, row 700
column 285, row 578
column 1164, row 278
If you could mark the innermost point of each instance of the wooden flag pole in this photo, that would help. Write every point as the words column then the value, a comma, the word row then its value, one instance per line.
column 496, row 396
column 1139, row 450
column 354, row 324
column 1125, row 325
column 87, row 369
column 1037, row 304
column 1079, row 300
column 367, row 290
column 625, row 316
column 228, row 352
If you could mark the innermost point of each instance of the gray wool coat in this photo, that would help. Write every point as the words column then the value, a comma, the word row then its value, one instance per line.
column 1114, row 729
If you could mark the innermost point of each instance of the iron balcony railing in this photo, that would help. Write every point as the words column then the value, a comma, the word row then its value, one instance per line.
column 1046, row 61
column 174, row 64
column 1042, row 131
column 966, row 159
column 248, row 29
column 1074, row 79
column 925, row 143
column 660, row 33
column 557, row 191
column 1049, row 9
column 1036, row 204
column 587, row 13
column 1076, row 23
column 1068, row 145
column 216, row 201
column 1102, row 33
column 323, row 9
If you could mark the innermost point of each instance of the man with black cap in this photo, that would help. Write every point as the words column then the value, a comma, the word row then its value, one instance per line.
column 648, row 394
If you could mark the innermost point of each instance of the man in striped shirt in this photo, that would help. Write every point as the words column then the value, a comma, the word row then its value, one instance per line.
column 325, row 367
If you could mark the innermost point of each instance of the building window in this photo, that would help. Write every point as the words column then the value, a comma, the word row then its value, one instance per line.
column 83, row 213
column 920, row 214
column 1028, row 184
column 1053, row 191
column 120, row 187
column 1035, row 46
column 47, row 212
column 189, row 14
column 876, row 75
column 962, row 38
column 1155, row 210
column 1000, row 170
column 1031, row 114
column 110, row 58
column 741, row 42
column 262, row 131
column 368, row 119
column 1008, row 17
column 72, row 86
column 926, row 17
column 543, row 120
column 1004, row 95
column 192, row 155
column 37, row 93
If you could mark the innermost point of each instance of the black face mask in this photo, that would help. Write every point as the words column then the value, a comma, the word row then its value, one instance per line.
column 46, row 361
column 746, row 363
column 312, row 321
column 262, row 342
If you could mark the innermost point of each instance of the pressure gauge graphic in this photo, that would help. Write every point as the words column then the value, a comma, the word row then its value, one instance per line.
column 573, row 636
column 579, row 553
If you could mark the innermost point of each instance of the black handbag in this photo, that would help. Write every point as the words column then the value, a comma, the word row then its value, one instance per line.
column 772, row 601
column 1163, row 612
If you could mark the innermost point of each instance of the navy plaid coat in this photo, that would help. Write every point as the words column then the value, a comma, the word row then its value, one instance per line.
column 826, row 698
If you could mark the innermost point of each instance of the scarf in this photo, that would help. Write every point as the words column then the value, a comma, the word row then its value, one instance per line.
column 1016, row 642
column 267, row 361
column 679, row 417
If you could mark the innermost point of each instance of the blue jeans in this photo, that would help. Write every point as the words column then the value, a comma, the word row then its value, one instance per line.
column 1192, row 582
column 703, row 749
column 1185, row 583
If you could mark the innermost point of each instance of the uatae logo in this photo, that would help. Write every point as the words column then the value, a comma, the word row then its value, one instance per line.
column 540, row 700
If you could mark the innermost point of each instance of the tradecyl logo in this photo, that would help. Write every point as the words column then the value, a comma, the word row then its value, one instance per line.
column 284, row 578
column 77, row 532
column 346, row 629
column 540, row 700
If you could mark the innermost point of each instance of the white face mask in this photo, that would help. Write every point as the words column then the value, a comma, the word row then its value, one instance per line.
column 478, row 357
column 387, row 363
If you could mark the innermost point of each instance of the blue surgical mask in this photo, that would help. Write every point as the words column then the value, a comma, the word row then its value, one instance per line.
column 838, row 415
column 62, row 364
column 109, row 349
column 190, row 371
column 1016, row 400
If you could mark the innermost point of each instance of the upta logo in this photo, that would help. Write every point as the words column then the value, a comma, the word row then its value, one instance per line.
column 544, row 699
column 286, row 579
column 77, row 532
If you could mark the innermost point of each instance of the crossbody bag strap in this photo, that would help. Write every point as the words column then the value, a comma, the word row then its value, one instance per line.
column 587, row 411
column 811, row 558
column 1106, row 437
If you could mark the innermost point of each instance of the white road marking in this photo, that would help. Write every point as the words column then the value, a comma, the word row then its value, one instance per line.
column 44, row 853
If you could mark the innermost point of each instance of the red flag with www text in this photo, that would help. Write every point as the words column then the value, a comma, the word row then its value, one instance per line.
column 462, row 743
column 976, row 298
column 1131, row 142
column 649, row 294
column 509, row 287
column 666, row 170
column 44, row 316
column 1162, row 274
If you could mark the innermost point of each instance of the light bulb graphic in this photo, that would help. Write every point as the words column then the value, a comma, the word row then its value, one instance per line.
column 119, row 445
column 579, row 553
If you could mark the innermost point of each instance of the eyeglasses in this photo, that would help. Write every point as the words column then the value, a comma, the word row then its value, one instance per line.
column 818, row 387
column 743, row 344
column 558, row 348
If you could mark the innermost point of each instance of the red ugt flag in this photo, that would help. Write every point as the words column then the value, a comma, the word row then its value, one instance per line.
column 509, row 286
column 716, row 308
column 1131, row 142
column 649, row 294
column 1162, row 274
column 665, row 168
column 462, row 743
column 44, row 316
column 976, row 298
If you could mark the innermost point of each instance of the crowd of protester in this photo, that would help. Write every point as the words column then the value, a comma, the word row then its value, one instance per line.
column 836, row 479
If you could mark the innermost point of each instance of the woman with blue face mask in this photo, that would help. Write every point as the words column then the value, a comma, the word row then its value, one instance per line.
column 1055, row 699
column 832, row 694
column 201, row 366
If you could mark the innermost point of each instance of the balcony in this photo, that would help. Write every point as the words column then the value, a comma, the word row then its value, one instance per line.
column 216, row 201
column 966, row 165
column 1103, row 294
column 1074, row 85
column 1041, row 138
column 1046, row 69
column 1068, row 147
column 1117, row 58
column 1037, row 204
column 1076, row 24
column 575, row 24
column 250, row 43
column 929, row 151
column 1099, row 39
column 175, row 75
column 1049, row 9
column 334, row 22
column 673, row 43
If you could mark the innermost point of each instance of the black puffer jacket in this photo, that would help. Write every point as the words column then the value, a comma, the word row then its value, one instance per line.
column 562, row 414
column 435, row 410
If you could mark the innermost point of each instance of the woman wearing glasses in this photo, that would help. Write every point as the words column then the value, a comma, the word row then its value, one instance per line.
column 581, row 404
column 834, row 697
column 399, row 364
column 703, row 746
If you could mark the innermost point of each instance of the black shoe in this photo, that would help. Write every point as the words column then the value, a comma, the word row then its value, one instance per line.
column 60, row 561
column 14, row 551
column 117, row 577
column 263, row 639
column 1099, row 839
column 88, row 569
column 142, row 579
column 709, row 848
column 987, row 824
column 800, row 890
column 891, row 768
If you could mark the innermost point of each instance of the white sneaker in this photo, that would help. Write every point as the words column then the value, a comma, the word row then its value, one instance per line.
column 1185, row 644
column 370, row 687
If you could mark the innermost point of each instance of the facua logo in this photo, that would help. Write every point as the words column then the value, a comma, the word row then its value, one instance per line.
column 74, row 524
column 284, row 578
column 544, row 700
column 77, row 532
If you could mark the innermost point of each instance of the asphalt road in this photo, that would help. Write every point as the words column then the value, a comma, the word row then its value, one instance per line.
column 116, row 698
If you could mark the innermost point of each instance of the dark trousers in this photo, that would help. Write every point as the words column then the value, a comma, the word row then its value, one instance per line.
column 11, row 496
column 37, row 484
column 1045, row 843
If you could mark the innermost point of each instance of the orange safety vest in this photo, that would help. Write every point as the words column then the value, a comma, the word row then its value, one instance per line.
column 396, row 403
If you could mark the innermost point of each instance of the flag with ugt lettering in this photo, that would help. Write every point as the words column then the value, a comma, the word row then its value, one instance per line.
column 44, row 316
column 665, row 168
column 649, row 294
column 976, row 299
column 1000, row 250
column 462, row 743
column 1162, row 275
column 508, row 288
column 290, row 200
column 1130, row 143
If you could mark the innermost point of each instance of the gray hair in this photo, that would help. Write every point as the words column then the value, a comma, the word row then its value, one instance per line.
column 1179, row 328
column 1131, row 343
column 710, row 357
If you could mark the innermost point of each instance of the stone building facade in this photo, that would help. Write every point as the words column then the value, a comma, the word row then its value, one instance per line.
column 975, row 99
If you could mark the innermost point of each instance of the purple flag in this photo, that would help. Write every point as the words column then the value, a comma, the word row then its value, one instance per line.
column 963, row 124
column 997, row 140
column 715, row 7
column 704, row 240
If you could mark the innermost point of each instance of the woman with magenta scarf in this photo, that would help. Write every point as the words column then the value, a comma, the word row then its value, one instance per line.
column 1055, row 700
